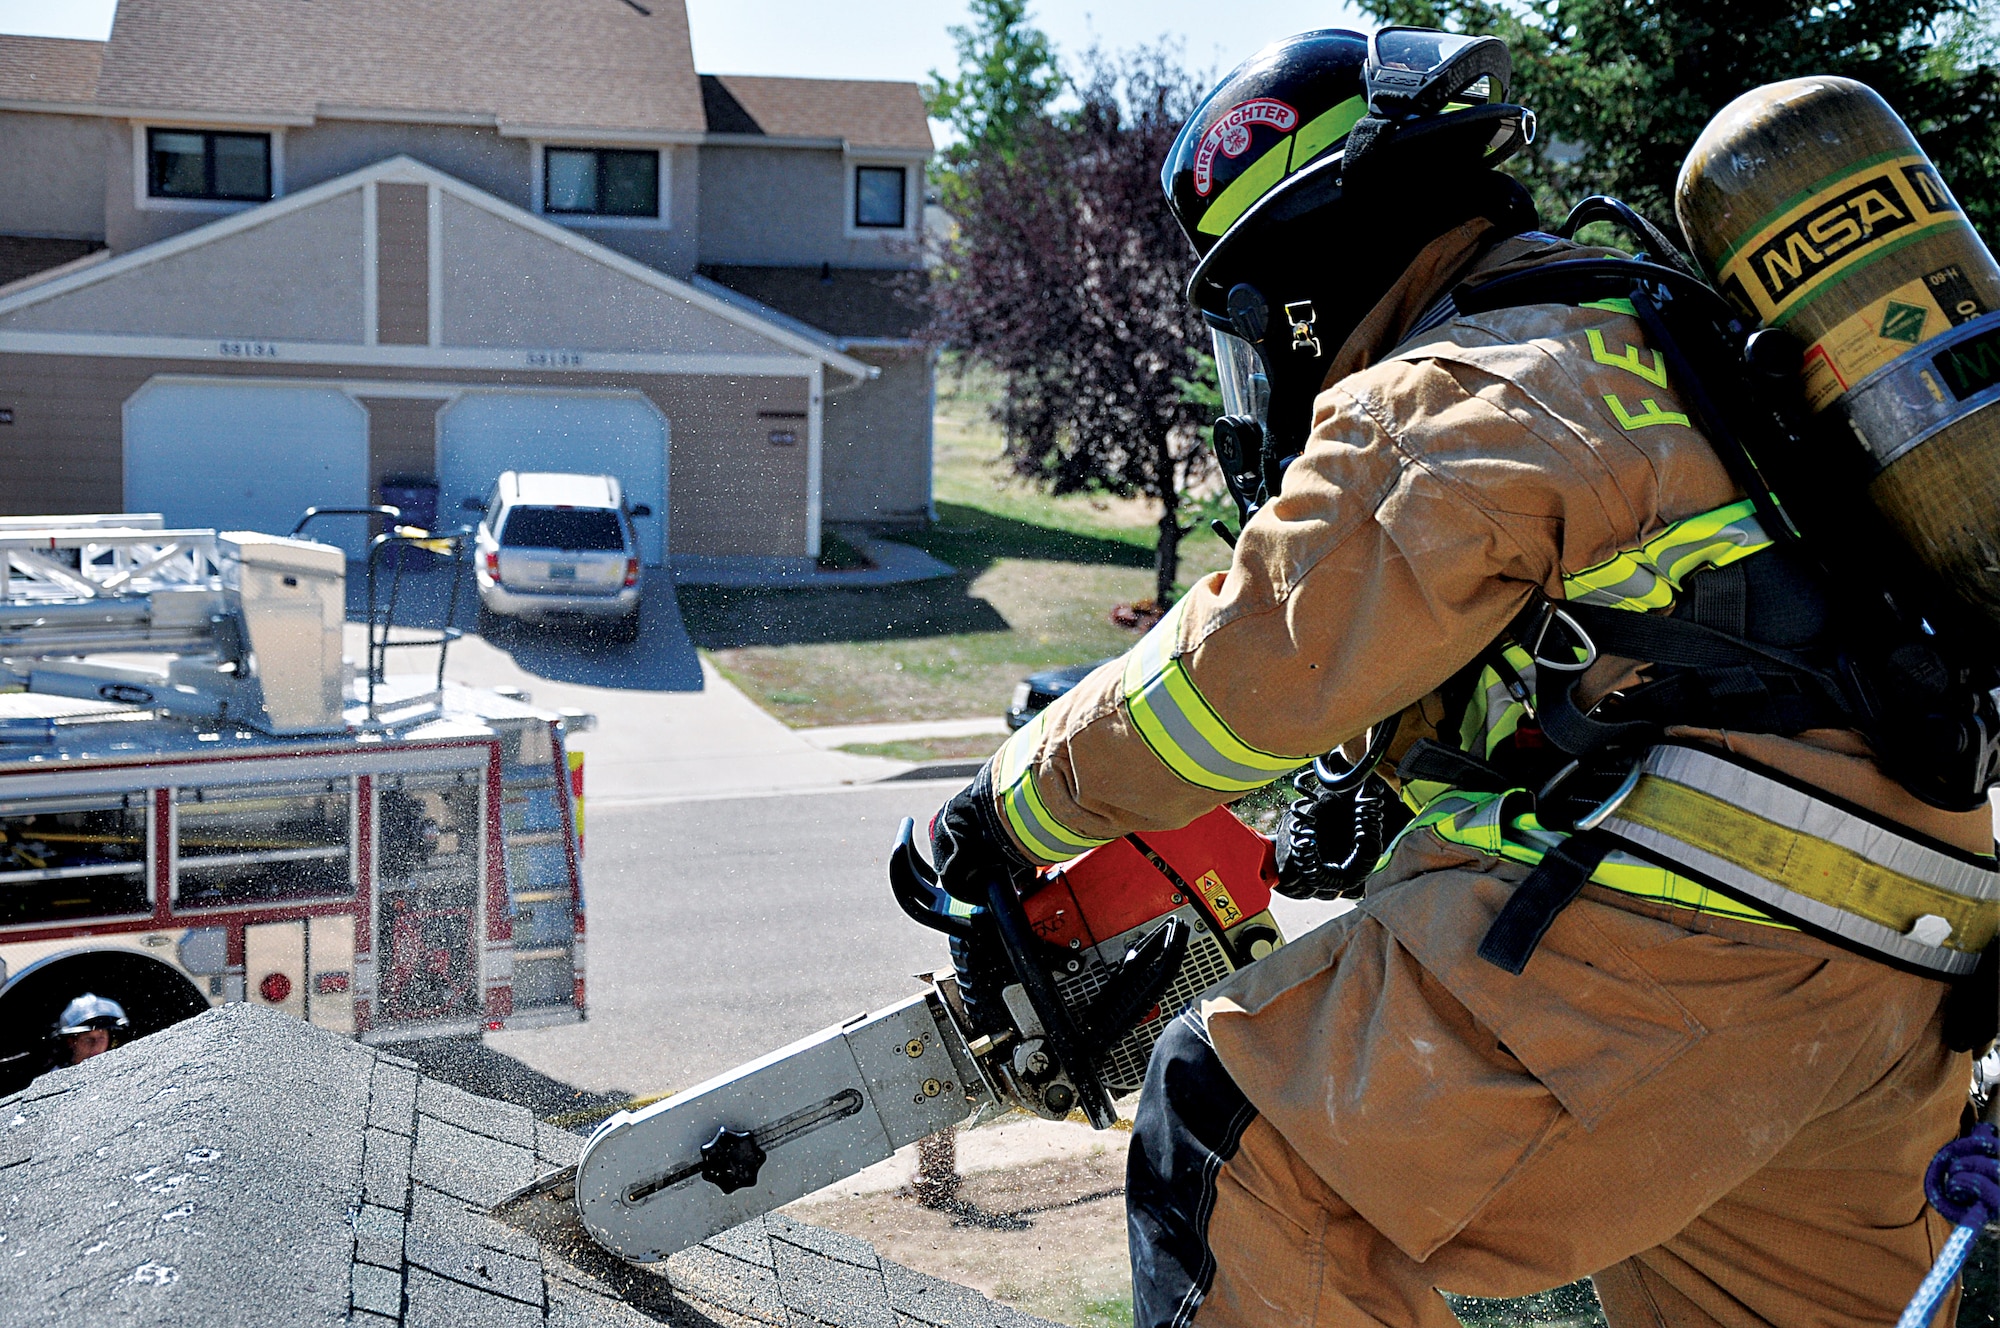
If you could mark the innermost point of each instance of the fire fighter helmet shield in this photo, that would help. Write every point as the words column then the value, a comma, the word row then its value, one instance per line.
column 91, row 1011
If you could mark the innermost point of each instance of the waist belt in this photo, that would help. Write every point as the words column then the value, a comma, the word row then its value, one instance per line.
column 1831, row 869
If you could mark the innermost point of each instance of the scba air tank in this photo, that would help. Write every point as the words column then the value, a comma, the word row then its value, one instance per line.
column 1814, row 210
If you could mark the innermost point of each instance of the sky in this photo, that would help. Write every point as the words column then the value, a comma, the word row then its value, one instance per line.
column 892, row 39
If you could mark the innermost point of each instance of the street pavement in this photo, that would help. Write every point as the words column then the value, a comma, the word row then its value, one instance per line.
column 720, row 929
column 735, row 869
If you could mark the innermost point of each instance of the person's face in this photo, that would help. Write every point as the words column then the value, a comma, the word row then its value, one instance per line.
column 82, row 1046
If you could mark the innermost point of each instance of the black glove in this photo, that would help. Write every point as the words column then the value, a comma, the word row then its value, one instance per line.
column 969, row 846
column 1328, row 841
column 971, row 850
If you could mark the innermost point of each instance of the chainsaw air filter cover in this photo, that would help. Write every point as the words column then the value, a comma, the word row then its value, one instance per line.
column 1215, row 874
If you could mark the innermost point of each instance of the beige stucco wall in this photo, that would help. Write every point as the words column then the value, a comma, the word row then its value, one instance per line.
column 731, row 492
column 673, row 248
column 877, row 458
column 295, row 277
column 52, row 176
column 478, row 156
column 787, row 207
column 506, row 286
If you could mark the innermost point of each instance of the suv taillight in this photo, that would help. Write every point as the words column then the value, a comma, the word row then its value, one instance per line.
column 631, row 571
column 493, row 565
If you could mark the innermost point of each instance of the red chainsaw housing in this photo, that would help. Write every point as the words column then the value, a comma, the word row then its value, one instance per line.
column 1221, row 865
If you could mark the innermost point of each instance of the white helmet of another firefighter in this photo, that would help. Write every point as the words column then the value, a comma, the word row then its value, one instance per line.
column 91, row 1011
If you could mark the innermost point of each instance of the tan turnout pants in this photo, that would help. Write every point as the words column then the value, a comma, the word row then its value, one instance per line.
column 1727, row 1124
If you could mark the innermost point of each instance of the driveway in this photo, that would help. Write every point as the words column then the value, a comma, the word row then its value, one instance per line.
column 669, row 726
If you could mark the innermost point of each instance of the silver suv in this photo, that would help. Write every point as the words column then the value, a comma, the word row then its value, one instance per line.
column 554, row 546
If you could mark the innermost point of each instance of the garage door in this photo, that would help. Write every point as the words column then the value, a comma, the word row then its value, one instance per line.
column 484, row 433
column 247, row 457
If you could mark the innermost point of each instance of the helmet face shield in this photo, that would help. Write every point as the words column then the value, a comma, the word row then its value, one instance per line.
column 1418, row 70
column 1239, row 371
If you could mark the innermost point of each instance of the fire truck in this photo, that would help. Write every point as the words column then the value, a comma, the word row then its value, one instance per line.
column 202, row 800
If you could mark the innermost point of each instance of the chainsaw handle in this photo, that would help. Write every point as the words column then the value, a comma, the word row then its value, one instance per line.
column 916, row 889
column 1072, row 1053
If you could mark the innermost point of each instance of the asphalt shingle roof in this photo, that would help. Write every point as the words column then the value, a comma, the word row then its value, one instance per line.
column 246, row 1168
column 862, row 112
column 49, row 69
column 596, row 64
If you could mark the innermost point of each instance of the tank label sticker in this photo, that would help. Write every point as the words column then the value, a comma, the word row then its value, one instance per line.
column 1860, row 216
column 1877, row 333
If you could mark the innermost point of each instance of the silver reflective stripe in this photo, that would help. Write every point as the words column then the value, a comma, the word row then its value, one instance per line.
column 1906, row 401
column 1794, row 810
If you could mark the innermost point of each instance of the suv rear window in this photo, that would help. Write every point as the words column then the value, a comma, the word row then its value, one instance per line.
column 582, row 528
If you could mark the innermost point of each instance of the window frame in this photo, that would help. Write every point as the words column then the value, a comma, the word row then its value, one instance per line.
column 209, row 192
column 911, row 165
column 144, row 200
column 902, row 222
column 659, row 219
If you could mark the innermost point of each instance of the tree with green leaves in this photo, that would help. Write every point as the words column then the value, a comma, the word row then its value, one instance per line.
column 1007, row 77
column 1623, row 87
column 1066, row 276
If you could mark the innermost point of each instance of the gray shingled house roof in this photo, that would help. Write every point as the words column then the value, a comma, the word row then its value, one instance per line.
column 245, row 1168
column 860, row 113
column 49, row 69
column 523, row 64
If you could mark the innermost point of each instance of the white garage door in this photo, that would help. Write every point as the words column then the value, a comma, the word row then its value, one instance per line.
column 247, row 457
column 484, row 433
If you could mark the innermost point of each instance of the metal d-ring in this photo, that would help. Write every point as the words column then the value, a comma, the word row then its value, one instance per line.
column 1575, row 629
column 1341, row 781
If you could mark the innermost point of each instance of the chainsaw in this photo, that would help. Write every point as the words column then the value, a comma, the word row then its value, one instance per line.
column 1104, row 951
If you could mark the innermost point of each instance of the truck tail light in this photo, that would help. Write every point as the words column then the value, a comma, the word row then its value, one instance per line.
column 493, row 566
column 631, row 571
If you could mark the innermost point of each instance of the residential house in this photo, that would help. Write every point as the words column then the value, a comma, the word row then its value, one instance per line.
column 264, row 254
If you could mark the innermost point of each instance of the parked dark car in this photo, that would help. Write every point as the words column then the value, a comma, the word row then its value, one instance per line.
column 1033, row 693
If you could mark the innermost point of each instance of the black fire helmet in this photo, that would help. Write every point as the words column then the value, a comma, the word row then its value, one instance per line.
column 1322, row 116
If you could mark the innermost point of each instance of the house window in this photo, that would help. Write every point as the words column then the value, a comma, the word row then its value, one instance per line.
column 879, row 197
column 199, row 163
column 601, row 182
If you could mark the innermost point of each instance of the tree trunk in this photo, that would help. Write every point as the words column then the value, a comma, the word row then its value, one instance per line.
column 1167, row 554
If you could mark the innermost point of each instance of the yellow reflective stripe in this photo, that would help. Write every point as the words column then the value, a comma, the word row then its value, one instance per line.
column 1612, row 306
column 1326, row 129
column 1648, row 577
column 1041, row 836
column 1472, row 820
column 1287, row 155
column 1180, row 726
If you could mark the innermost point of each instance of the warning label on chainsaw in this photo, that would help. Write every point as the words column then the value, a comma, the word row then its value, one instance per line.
column 1227, row 914
column 1876, row 334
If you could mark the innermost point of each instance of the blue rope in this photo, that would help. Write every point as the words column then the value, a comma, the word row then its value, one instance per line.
column 1939, row 1279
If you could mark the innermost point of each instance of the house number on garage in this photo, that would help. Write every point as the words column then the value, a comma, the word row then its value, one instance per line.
column 255, row 350
column 554, row 359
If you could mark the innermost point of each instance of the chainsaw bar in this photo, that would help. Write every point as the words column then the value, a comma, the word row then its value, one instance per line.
column 656, row 1181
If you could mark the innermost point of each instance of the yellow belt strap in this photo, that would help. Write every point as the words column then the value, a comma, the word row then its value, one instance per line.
column 1810, row 859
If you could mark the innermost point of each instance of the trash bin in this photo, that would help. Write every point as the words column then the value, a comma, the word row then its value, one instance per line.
column 416, row 496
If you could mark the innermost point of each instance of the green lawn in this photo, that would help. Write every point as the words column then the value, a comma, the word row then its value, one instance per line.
column 1037, row 579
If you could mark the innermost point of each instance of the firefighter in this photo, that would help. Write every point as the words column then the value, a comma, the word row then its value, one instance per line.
column 89, row 1026
column 1703, row 1059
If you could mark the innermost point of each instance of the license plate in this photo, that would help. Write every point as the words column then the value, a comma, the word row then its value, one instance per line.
column 562, row 571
